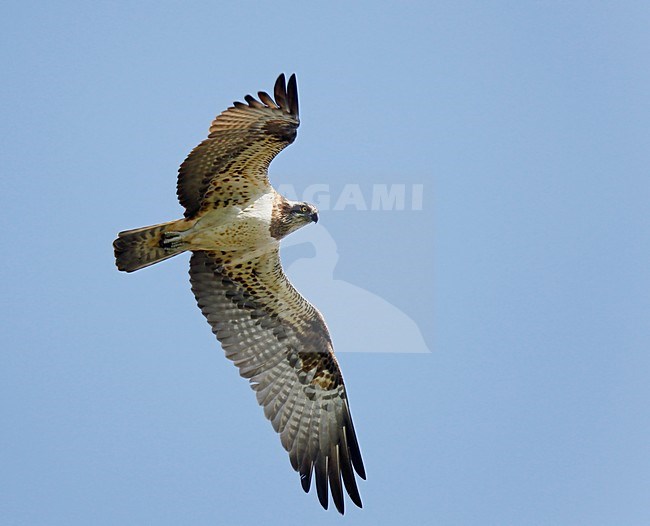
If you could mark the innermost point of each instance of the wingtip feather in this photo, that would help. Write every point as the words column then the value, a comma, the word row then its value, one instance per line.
column 267, row 99
column 347, row 471
column 353, row 445
column 292, row 95
column 280, row 92
column 305, row 476
column 320, row 469
column 253, row 102
column 334, row 475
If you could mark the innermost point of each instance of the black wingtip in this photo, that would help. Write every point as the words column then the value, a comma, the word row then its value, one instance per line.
column 285, row 97
column 305, row 478
column 334, row 475
column 280, row 92
column 280, row 83
column 286, row 94
column 320, row 469
column 292, row 95
column 353, row 445
column 347, row 471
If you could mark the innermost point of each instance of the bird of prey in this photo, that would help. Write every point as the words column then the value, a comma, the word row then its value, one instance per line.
column 233, row 224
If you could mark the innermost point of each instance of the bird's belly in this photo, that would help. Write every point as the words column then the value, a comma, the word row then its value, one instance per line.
column 233, row 229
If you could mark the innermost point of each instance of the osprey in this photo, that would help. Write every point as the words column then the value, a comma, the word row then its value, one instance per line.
column 234, row 221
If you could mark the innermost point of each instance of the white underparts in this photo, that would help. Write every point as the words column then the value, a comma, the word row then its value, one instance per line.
column 234, row 228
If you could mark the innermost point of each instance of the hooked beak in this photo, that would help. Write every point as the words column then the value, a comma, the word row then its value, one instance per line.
column 314, row 217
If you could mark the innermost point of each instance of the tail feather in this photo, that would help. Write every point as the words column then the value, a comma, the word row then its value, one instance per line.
column 141, row 247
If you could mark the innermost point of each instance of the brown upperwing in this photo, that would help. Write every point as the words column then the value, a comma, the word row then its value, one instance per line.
column 231, row 165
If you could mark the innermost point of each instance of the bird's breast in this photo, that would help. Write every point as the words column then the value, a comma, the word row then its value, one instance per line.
column 234, row 228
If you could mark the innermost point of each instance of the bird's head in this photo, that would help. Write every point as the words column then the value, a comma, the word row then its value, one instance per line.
column 290, row 216
column 303, row 212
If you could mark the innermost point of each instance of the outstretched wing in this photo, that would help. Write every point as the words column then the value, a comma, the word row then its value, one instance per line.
column 231, row 165
column 279, row 341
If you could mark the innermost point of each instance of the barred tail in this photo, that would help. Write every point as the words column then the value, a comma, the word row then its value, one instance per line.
column 141, row 247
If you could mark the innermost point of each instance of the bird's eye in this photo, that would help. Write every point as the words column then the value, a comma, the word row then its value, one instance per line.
column 303, row 208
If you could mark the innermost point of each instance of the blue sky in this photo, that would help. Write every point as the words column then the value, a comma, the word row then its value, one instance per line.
column 525, row 273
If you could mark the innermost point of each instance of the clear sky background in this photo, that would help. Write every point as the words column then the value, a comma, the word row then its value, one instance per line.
column 526, row 271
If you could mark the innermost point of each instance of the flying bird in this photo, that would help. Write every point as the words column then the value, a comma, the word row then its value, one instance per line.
column 233, row 223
